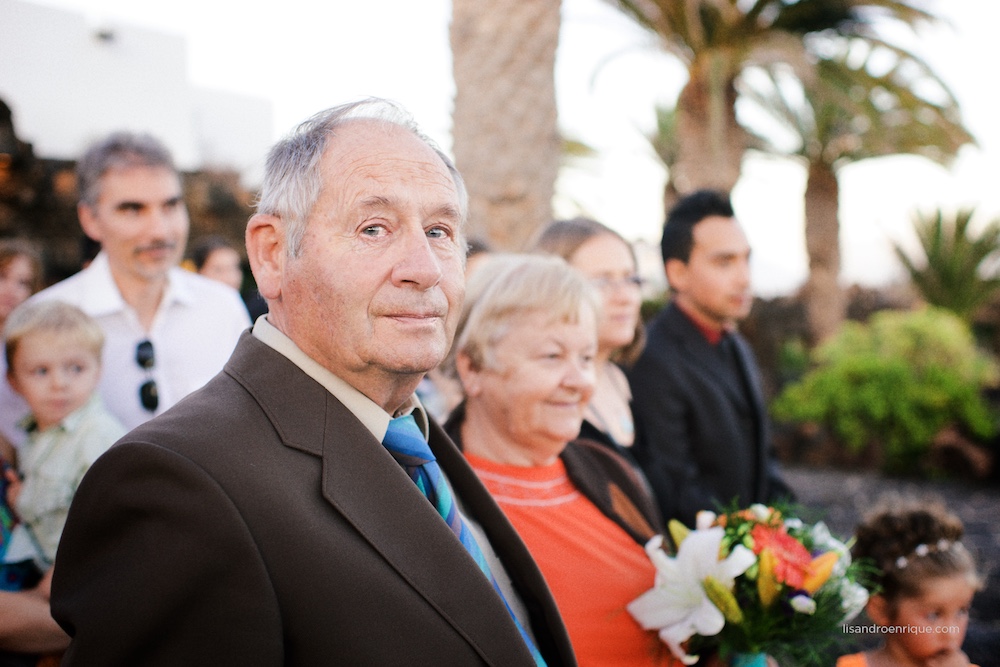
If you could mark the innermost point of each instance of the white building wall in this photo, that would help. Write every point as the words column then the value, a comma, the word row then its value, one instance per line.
column 69, row 83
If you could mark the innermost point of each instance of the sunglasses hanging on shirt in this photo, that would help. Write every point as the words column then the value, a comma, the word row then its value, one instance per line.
column 146, row 358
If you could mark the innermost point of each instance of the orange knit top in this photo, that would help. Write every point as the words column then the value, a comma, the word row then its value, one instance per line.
column 592, row 567
column 854, row 660
column 857, row 660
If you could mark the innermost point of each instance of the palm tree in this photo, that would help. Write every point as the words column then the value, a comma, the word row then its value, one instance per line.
column 506, row 141
column 958, row 271
column 718, row 40
column 862, row 103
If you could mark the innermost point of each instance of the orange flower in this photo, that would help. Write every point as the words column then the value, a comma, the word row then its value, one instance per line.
column 819, row 571
column 791, row 559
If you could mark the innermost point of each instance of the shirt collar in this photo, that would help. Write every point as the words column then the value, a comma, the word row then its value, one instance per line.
column 103, row 297
column 713, row 336
column 367, row 411
column 69, row 422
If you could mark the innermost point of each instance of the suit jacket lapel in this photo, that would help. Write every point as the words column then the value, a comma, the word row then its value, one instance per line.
column 365, row 484
column 703, row 356
column 749, row 370
column 759, row 406
column 550, row 633
column 371, row 491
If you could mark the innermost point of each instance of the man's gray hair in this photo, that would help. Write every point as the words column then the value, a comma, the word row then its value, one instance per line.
column 292, row 178
column 119, row 150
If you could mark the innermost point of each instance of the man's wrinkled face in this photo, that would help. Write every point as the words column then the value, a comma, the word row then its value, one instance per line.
column 377, row 287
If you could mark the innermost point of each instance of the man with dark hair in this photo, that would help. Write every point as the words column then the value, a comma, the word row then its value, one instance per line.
column 702, row 429
column 167, row 330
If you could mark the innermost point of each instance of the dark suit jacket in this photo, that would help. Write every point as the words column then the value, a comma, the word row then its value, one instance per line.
column 260, row 523
column 701, row 438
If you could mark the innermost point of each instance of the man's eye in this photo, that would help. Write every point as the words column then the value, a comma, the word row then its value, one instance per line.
column 438, row 233
column 372, row 230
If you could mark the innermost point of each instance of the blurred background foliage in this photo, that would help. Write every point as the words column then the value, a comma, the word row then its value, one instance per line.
column 891, row 390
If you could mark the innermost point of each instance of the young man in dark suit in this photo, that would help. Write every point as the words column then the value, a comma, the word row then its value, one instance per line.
column 262, row 521
column 702, row 428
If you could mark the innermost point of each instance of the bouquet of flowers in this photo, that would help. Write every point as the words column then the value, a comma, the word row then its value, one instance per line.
column 750, row 581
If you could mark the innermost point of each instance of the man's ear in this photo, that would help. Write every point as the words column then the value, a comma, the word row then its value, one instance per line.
column 676, row 272
column 88, row 221
column 266, row 246
column 468, row 374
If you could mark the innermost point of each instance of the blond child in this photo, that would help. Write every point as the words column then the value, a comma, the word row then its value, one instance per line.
column 926, row 579
column 53, row 353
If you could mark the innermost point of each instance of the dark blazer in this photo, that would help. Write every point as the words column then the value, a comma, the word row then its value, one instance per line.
column 701, row 437
column 259, row 522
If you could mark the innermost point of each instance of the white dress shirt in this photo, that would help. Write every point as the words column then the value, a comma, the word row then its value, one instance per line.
column 193, row 334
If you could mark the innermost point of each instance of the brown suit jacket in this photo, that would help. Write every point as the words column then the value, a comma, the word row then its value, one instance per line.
column 259, row 523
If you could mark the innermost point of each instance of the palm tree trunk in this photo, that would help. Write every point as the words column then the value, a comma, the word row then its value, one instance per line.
column 824, row 299
column 506, row 140
column 710, row 141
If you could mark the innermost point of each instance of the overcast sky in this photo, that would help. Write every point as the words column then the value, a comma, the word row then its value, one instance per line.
column 306, row 56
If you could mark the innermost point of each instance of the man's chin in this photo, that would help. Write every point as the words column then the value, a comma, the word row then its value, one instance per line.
column 414, row 365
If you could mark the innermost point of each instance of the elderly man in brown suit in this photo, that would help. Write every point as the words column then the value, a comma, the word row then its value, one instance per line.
column 261, row 521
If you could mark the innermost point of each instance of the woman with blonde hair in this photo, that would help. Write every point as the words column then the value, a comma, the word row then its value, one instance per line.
column 525, row 352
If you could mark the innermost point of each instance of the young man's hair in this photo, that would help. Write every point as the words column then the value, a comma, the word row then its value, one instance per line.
column 32, row 318
column 678, row 230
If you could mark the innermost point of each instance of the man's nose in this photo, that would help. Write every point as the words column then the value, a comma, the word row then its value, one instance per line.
column 418, row 263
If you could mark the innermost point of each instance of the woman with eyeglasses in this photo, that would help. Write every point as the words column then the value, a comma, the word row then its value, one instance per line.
column 601, row 254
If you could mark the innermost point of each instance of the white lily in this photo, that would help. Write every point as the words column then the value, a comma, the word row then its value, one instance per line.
column 704, row 519
column 677, row 605
column 853, row 597
column 823, row 539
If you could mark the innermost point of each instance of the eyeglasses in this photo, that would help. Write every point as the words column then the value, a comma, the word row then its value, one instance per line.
column 146, row 358
column 607, row 283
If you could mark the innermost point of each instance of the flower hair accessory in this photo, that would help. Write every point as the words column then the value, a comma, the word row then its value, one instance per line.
column 922, row 550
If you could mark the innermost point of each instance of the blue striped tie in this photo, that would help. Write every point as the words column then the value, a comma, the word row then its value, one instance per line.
column 406, row 443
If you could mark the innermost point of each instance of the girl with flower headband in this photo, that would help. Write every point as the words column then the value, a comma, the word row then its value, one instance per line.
column 926, row 582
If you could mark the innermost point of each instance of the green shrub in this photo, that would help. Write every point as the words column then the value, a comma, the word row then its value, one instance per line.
column 894, row 383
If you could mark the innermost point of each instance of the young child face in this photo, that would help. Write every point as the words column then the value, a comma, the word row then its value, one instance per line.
column 55, row 374
column 942, row 610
